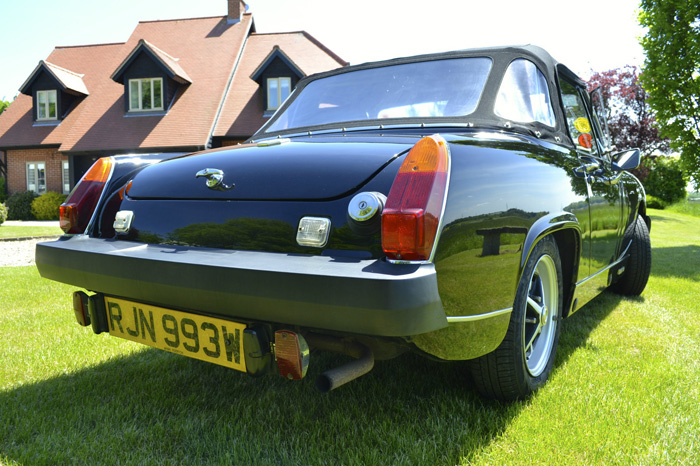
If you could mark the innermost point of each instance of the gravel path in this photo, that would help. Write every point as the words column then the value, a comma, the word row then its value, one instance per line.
column 18, row 253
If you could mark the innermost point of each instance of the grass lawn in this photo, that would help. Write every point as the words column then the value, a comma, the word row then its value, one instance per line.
column 625, row 390
column 12, row 231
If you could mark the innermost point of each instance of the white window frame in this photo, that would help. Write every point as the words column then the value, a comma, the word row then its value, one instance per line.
column 278, row 93
column 46, row 106
column 33, row 168
column 140, row 83
column 65, row 176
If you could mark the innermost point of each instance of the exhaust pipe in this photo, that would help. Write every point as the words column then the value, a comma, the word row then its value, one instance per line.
column 334, row 378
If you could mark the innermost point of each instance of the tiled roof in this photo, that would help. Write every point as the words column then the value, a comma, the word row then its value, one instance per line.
column 17, row 127
column 208, row 101
column 243, row 110
column 199, row 44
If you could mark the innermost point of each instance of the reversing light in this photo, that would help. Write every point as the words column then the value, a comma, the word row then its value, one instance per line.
column 292, row 354
column 313, row 231
column 76, row 212
column 411, row 217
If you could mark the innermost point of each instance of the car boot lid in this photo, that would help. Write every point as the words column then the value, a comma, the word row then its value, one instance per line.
column 282, row 171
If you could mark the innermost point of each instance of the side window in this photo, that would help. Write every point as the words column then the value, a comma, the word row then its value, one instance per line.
column 600, row 117
column 524, row 95
column 577, row 119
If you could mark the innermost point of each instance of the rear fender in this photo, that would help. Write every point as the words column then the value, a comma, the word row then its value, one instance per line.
column 566, row 230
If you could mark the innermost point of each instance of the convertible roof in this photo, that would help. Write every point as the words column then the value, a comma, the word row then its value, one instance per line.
column 483, row 116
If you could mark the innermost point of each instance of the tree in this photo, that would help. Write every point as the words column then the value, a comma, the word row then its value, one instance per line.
column 3, row 105
column 630, row 119
column 672, row 74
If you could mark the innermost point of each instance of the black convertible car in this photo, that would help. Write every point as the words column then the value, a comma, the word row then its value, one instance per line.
column 457, row 205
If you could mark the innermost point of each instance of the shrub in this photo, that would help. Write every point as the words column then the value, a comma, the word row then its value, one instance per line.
column 656, row 203
column 666, row 180
column 45, row 207
column 19, row 206
column 3, row 213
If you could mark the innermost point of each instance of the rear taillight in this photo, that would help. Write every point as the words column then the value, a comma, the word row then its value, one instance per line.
column 411, row 217
column 76, row 212
column 292, row 354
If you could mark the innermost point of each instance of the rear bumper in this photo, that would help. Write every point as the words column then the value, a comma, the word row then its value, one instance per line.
column 369, row 297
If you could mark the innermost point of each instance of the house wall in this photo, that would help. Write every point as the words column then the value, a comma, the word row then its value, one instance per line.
column 17, row 168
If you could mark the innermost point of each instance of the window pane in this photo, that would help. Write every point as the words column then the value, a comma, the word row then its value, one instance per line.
column 285, row 89
column 157, row 93
column 66, row 177
column 133, row 95
column 577, row 118
column 41, row 178
column 439, row 88
column 31, row 177
column 524, row 95
column 41, row 105
column 146, row 93
column 272, row 102
column 52, row 104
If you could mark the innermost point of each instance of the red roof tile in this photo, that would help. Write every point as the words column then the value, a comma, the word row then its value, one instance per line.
column 242, row 114
column 17, row 128
column 206, row 48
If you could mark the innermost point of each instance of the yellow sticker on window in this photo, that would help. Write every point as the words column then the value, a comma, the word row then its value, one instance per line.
column 582, row 125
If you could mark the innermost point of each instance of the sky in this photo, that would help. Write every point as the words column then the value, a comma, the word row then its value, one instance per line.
column 595, row 35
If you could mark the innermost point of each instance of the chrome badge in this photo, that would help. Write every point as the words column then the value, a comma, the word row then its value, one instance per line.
column 215, row 179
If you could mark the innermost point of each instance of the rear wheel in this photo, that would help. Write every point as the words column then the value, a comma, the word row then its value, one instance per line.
column 638, row 266
column 523, row 361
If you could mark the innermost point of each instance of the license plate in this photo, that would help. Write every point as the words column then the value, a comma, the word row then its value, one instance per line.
column 206, row 338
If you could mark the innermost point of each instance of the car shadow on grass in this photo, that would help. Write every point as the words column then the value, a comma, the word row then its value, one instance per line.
column 156, row 408
column 153, row 407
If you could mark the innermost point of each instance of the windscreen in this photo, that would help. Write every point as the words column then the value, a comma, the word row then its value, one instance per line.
column 438, row 88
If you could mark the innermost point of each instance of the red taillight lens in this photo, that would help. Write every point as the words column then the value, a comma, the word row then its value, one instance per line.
column 411, row 216
column 75, row 213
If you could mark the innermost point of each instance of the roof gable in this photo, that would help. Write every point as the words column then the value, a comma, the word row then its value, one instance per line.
column 67, row 80
column 274, row 54
column 168, row 64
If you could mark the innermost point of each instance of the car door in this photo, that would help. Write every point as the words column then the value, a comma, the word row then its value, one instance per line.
column 604, row 193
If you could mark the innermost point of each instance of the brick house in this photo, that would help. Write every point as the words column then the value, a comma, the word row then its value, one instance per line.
column 175, row 86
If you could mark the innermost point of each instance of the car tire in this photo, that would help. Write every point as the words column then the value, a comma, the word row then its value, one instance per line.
column 523, row 361
column 638, row 266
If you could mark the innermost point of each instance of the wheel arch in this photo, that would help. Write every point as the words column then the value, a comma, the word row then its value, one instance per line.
column 566, row 232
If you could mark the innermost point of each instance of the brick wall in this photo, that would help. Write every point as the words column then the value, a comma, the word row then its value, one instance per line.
column 17, row 168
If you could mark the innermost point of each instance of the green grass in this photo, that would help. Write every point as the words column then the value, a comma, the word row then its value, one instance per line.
column 11, row 231
column 686, row 207
column 625, row 390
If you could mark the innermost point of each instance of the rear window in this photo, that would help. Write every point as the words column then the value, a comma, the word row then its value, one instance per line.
column 439, row 88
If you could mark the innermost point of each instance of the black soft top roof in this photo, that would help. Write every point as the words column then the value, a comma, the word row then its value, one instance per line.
column 483, row 116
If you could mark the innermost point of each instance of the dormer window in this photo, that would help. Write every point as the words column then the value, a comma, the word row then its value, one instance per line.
column 277, row 75
column 46, row 108
column 151, row 80
column 278, row 89
column 145, row 94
